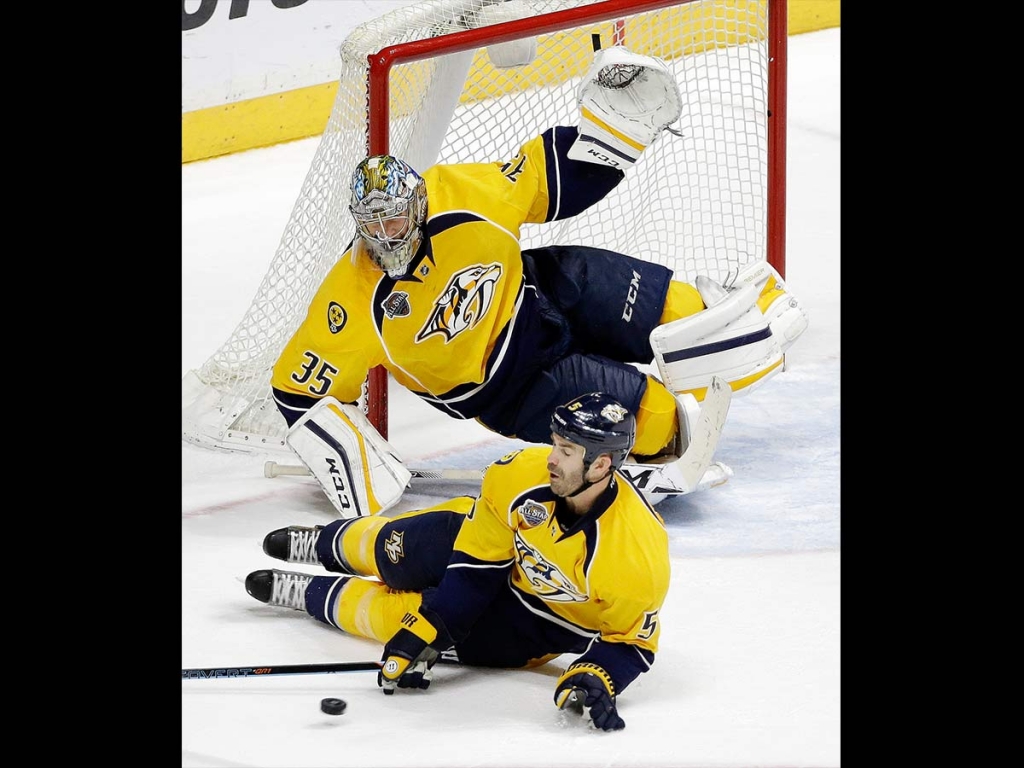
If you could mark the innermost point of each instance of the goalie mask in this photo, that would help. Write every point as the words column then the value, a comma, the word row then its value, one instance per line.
column 599, row 423
column 389, row 204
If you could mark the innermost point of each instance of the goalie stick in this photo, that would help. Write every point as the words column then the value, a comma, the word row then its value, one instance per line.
column 273, row 469
column 695, row 467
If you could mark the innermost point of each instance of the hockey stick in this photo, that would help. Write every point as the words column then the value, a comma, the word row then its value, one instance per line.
column 206, row 673
column 273, row 469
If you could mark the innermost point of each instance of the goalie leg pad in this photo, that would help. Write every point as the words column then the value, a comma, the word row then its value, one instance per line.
column 781, row 309
column 625, row 100
column 730, row 339
column 357, row 469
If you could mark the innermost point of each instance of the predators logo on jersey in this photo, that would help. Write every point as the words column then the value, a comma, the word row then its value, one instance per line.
column 464, row 302
column 393, row 547
column 548, row 582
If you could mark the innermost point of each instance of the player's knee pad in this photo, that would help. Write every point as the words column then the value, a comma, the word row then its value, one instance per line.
column 357, row 469
column 781, row 309
column 730, row 338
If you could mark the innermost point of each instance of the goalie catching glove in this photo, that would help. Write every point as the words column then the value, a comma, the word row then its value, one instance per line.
column 588, row 690
column 410, row 654
column 626, row 100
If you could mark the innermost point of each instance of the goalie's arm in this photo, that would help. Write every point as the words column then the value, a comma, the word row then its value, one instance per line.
column 542, row 180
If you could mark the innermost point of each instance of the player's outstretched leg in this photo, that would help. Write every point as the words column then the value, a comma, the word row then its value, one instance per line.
column 407, row 551
column 324, row 545
column 353, row 605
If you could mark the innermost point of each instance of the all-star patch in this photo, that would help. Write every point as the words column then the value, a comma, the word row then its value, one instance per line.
column 396, row 305
column 533, row 513
column 336, row 317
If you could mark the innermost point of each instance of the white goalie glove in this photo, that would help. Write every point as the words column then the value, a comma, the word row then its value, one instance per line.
column 626, row 100
column 357, row 468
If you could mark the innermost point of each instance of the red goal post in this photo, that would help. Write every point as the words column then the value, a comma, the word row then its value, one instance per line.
column 469, row 81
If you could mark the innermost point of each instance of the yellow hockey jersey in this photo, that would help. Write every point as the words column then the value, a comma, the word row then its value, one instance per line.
column 444, row 328
column 605, row 573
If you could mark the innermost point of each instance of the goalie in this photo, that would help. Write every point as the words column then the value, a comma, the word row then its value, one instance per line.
column 434, row 287
column 558, row 554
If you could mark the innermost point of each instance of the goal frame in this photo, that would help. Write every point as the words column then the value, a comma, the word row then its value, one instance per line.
column 378, row 115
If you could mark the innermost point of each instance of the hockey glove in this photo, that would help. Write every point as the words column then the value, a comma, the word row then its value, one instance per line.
column 587, row 690
column 409, row 656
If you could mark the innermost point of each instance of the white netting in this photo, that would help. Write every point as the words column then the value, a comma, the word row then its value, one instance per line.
column 696, row 202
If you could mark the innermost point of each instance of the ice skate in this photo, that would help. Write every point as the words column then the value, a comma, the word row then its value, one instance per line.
column 294, row 544
column 285, row 589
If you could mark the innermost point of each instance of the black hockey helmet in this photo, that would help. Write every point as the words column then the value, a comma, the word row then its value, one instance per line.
column 598, row 422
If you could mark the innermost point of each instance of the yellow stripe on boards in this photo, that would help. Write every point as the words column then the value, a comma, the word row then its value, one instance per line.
column 303, row 112
column 254, row 123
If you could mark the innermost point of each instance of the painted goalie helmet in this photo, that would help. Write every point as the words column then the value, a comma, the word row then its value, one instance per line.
column 389, row 204
column 599, row 423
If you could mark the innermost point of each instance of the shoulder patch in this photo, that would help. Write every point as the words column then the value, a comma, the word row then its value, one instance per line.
column 336, row 317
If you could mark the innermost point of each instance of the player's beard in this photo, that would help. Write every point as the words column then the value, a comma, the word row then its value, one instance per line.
column 566, row 483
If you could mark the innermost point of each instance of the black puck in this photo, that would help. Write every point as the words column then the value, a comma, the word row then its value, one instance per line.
column 333, row 706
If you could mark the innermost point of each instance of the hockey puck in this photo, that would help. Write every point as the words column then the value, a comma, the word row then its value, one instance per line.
column 333, row 706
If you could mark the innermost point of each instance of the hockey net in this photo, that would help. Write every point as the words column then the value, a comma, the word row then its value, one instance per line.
column 449, row 81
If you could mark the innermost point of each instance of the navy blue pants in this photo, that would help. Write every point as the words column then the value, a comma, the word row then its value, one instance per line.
column 589, row 315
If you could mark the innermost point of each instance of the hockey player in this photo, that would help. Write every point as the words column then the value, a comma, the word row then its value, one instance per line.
column 435, row 288
column 559, row 554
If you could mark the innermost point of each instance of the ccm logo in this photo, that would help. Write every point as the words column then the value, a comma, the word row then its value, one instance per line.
column 606, row 159
column 634, row 286
column 339, row 484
